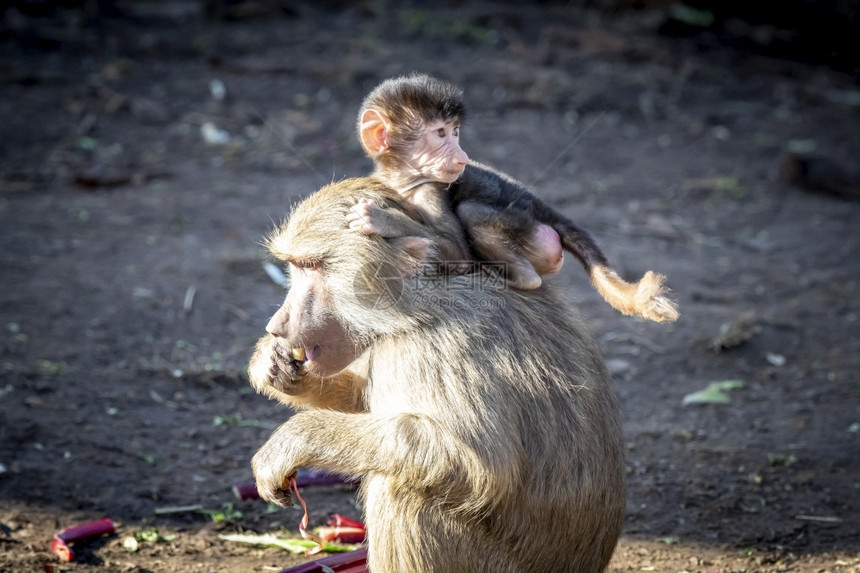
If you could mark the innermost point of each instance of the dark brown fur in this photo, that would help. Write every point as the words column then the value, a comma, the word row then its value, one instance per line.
column 491, row 438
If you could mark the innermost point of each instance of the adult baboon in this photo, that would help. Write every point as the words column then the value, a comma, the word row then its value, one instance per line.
column 486, row 432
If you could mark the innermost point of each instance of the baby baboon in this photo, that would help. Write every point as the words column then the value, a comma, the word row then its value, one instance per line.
column 489, row 437
column 410, row 127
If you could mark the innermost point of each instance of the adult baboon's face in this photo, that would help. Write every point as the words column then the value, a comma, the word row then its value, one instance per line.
column 306, row 330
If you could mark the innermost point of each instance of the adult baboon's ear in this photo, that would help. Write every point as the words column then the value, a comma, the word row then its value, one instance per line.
column 373, row 130
column 420, row 249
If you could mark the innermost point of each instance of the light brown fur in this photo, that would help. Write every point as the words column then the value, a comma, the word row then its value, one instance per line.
column 645, row 298
column 491, row 440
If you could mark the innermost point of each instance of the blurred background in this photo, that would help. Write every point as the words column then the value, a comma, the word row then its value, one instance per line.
column 147, row 147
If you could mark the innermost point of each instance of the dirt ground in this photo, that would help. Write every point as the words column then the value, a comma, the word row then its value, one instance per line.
column 144, row 155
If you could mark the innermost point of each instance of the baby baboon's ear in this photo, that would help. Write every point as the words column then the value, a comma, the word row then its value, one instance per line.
column 373, row 131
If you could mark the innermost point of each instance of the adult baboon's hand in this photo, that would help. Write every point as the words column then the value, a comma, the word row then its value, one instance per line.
column 273, row 365
column 272, row 466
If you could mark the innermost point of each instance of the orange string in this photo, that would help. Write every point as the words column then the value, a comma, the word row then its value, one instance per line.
column 303, row 524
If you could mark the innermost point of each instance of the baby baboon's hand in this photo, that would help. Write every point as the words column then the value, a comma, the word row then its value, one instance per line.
column 366, row 217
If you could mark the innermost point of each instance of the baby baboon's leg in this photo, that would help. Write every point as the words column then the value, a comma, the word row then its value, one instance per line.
column 528, row 249
column 494, row 245
column 544, row 250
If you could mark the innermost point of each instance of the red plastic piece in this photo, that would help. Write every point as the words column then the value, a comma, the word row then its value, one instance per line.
column 342, row 534
column 352, row 562
column 339, row 520
column 60, row 542
column 343, row 529
column 245, row 490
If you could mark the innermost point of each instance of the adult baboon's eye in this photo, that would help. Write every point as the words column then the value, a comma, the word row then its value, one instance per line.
column 306, row 264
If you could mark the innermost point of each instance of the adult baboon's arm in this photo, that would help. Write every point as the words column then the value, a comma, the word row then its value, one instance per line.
column 411, row 449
